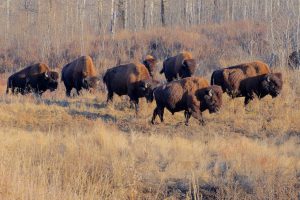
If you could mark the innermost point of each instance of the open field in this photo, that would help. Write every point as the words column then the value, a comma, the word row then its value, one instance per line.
column 81, row 148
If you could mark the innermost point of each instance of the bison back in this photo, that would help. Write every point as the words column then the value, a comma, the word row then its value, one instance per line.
column 32, row 70
column 253, row 68
column 80, row 68
column 169, row 67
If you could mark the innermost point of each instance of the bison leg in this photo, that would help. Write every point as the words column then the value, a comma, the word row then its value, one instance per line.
column 160, row 112
column 187, row 116
column 78, row 91
column 155, row 112
column 197, row 115
column 134, row 103
column 68, row 92
column 13, row 90
column 110, row 96
column 248, row 98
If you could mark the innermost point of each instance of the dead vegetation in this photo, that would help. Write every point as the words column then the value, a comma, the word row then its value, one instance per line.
column 81, row 148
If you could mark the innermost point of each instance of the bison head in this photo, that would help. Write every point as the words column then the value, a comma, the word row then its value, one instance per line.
column 145, row 89
column 272, row 84
column 51, row 79
column 188, row 68
column 213, row 98
column 150, row 64
column 90, row 82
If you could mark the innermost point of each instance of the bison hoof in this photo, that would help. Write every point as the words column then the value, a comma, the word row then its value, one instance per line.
column 186, row 123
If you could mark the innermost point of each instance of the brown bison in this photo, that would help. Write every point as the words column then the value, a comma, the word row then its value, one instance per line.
column 193, row 95
column 131, row 79
column 18, row 82
column 261, row 86
column 79, row 74
column 225, row 77
column 180, row 66
column 294, row 60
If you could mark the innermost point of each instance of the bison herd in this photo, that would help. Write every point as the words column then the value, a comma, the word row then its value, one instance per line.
column 182, row 92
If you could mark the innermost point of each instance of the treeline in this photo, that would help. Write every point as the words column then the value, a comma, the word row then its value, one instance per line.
column 46, row 29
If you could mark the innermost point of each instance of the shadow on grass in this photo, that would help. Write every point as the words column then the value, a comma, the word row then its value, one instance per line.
column 93, row 116
column 64, row 103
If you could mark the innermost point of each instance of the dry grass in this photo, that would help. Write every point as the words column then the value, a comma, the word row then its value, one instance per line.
column 80, row 148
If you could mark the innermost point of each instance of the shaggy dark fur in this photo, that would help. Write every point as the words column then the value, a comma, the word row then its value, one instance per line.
column 17, row 81
column 131, row 79
column 179, row 66
column 230, row 76
column 261, row 86
column 192, row 95
column 78, row 74
column 41, row 82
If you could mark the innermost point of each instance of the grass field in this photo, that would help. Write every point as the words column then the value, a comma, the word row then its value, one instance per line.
column 80, row 148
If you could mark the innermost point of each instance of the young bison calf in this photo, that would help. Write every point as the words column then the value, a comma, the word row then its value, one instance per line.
column 192, row 95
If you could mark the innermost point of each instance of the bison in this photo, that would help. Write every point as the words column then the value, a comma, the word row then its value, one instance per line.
column 131, row 79
column 294, row 60
column 79, row 74
column 192, row 95
column 18, row 81
column 180, row 66
column 39, row 83
column 221, row 77
column 261, row 86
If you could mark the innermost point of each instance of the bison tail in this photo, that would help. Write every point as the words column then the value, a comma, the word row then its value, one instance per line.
column 8, row 86
column 212, row 81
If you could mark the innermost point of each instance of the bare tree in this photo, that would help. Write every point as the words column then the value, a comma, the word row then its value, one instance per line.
column 162, row 13
column 112, row 17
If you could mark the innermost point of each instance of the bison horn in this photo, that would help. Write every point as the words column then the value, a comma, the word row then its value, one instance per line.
column 46, row 74
column 147, row 85
column 268, row 78
column 210, row 92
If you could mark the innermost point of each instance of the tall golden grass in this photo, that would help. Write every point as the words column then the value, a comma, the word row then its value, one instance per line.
column 80, row 148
